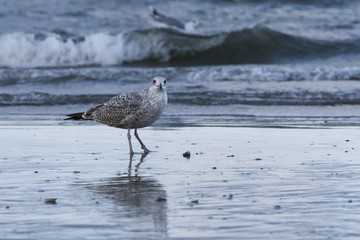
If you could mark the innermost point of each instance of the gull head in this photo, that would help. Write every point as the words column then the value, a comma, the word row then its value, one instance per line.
column 196, row 23
column 192, row 25
column 158, row 84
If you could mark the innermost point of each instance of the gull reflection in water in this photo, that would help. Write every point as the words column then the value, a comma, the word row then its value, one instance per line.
column 143, row 156
column 139, row 202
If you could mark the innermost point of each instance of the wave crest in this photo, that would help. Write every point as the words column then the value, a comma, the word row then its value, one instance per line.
column 158, row 47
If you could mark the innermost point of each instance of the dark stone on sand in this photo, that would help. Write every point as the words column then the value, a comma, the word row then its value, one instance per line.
column 161, row 199
column 230, row 196
column 50, row 200
column 195, row 201
column 76, row 172
column 36, row 172
column 7, row 207
column 258, row 159
column 350, row 201
column 214, row 168
column 186, row 154
column 277, row 207
column 347, row 140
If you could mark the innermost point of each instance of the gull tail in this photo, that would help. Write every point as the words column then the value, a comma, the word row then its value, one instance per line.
column 152, row 10
column 75, row 116
column 88, row 115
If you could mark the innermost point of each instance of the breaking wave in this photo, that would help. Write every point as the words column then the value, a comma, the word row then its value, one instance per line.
column 159, row 47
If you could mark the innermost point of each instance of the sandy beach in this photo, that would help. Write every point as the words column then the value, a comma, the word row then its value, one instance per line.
column 73, row 182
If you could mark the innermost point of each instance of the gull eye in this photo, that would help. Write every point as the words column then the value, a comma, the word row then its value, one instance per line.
column 154, row 81
column 164, row 82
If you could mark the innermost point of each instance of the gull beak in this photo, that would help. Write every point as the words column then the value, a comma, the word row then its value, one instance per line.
column 160, row 86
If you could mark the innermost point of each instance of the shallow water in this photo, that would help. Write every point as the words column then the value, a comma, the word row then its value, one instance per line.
column 202, row 95
column 260, row 183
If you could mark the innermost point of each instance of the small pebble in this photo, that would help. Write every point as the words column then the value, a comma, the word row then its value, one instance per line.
column 161, row 199
column 350, row 201
column 277, row 207
column 50, row 200
column 186, row 154
column 7, row 207
column 214, row 168
column 36, row 172
column 195, row 201
column 257, row 159
column 76, row 172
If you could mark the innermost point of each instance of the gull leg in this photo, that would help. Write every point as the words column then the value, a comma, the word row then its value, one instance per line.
column 129, row 139
column 141, row 143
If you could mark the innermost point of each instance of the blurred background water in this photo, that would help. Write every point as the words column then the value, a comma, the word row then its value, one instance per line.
column 250, row 63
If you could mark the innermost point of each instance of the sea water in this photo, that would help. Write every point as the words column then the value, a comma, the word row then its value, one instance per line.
column 248, row 62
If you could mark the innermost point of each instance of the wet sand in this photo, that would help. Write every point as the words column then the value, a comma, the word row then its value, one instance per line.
column 73, row 182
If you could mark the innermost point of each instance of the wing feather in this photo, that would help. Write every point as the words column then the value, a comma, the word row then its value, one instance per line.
column 119, row 110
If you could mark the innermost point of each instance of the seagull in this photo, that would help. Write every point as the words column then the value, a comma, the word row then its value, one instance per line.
column 168, row 22
column 131, row 110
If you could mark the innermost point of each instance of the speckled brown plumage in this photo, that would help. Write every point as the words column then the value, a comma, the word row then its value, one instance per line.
column 130, row 110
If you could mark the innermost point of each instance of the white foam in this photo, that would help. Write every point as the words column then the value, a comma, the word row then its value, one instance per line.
column 24, row 50
column 274, row 73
